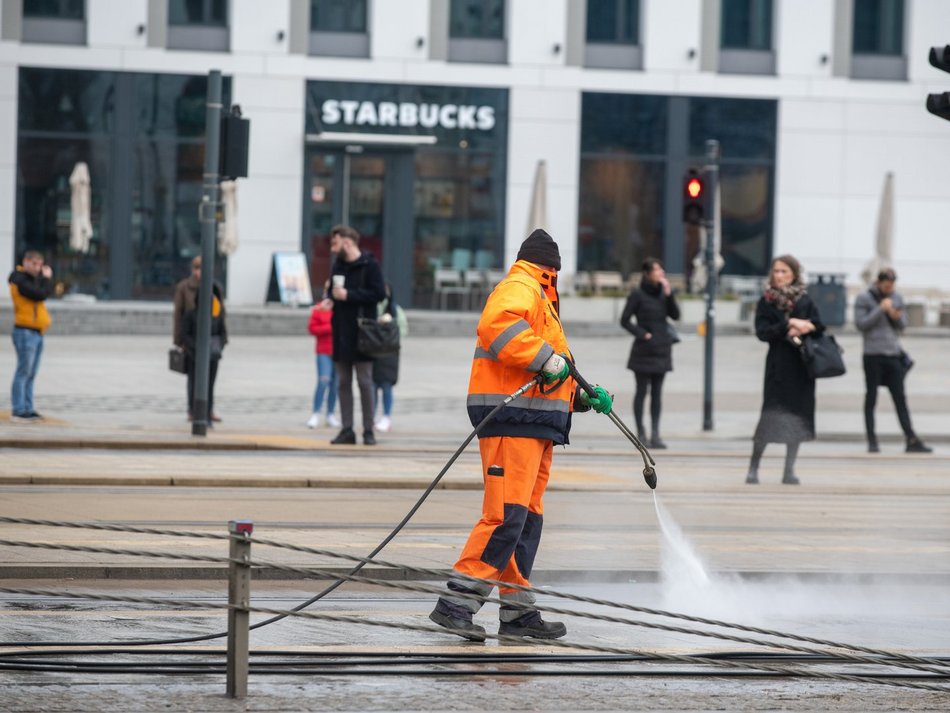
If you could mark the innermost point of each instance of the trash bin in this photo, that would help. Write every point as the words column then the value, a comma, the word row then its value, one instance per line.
column 916, row 314
column 828, row 292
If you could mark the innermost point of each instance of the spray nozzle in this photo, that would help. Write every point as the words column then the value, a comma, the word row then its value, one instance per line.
column 649, row 475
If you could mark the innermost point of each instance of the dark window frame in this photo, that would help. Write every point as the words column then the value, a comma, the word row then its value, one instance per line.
column 61, row 28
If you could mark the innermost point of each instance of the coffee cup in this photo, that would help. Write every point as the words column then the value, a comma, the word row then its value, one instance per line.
column 338, row 280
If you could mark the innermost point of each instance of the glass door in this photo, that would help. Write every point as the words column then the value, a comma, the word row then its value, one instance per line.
column 369, row 191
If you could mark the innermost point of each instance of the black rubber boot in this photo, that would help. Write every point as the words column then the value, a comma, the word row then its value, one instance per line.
column 458, row 620
column 752, row 477
column 531, row 625
column 656, row 442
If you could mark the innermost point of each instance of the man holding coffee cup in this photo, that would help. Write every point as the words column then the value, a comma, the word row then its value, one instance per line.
column 357, row 286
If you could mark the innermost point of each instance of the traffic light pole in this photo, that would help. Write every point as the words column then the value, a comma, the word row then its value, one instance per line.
column 711, row 180
column 207, row 218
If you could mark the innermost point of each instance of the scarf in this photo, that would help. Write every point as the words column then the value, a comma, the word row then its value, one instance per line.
column 784, row 297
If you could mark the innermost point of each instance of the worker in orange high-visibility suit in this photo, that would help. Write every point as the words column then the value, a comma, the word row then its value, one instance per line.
column 519, row 336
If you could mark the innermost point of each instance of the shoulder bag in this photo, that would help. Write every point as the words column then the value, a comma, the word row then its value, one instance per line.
column 822, row 356
column 376, row 338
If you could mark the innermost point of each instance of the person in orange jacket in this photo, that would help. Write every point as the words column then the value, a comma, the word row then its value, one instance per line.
column 30, row 284
column 519, row 336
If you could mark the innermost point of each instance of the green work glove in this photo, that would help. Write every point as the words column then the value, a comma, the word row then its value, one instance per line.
column 555, row 369
column 601, row 402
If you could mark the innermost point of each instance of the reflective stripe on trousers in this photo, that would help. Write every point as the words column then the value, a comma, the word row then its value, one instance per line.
column 503, row 544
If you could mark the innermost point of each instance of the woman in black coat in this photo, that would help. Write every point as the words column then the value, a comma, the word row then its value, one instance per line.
column 651, row 355
column 784, row 314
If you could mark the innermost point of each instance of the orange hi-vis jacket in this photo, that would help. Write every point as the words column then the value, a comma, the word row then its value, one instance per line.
column 517, row 332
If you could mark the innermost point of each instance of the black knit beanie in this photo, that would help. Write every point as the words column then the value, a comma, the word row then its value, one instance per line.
column 540, row 248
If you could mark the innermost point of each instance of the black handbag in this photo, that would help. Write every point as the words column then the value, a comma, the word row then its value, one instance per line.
column 178, row 360
column 375, row 338
column 822, row 356
column 674, row 335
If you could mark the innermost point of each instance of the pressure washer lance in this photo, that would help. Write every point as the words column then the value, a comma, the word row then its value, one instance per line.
column 649, row 472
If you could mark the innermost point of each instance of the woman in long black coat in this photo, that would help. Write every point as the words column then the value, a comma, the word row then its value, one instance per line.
column 651, row 355
column 784, row 314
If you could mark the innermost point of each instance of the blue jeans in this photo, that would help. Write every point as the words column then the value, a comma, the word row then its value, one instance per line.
column 326, row 384
column 387, row 394
column 29, row 347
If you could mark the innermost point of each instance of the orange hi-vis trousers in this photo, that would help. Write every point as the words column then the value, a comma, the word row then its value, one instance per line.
column 503, row 544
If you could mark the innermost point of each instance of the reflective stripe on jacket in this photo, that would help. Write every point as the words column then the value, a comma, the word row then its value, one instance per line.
column 29, row 294
column 518, row 331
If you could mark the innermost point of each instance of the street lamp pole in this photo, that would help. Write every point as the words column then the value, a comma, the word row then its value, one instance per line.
column 207, row 217
column 711, row 181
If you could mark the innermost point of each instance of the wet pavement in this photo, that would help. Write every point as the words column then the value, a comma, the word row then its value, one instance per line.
column 858, row 551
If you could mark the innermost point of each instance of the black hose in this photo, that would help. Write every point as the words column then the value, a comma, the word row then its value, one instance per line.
column 395, row 531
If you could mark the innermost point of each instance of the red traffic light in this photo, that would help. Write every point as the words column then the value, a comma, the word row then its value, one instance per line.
column 693, row 198
column 694, row 187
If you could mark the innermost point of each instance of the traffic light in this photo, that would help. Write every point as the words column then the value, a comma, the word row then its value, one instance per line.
column 939, row 104
column 693, row 198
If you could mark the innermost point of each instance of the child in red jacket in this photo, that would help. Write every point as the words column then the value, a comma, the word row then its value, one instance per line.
column 326, row 373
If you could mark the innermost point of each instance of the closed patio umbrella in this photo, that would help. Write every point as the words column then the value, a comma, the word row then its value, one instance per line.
column 227, row 228
column 80, row 221
column 538, row 214
column 884, row 239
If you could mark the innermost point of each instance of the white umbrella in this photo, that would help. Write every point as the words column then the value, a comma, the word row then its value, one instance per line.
column 884, row 241
column 538, row 214
column 80, row 222
column 227, row 228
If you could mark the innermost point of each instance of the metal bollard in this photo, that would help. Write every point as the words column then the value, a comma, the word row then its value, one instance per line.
column 239, row 598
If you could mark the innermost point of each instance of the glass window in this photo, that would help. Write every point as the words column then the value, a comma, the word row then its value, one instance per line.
column 879, row 27
column 338, row 15
column 198, row 12
column 66, row 101
column 629, row 199
column 44, row 165
column 626, row 123
column 746, row 24
column 744, row 128
column 621, row 213
column 613, row 21
column 477, row 19
column 63, row 9
column 145, row 182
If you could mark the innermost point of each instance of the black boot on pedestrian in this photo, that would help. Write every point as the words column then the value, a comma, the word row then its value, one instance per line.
column 458, row 619
column 531, row 625
column 345, row 437
column 873, row 447
column 657, row 442
column 915, row 445
column 369, row 438
column 752, row 477
column 789, row 478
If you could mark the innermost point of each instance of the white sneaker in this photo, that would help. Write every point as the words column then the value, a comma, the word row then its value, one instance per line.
column 384, row 424
column 313, row 421
column 333, row 421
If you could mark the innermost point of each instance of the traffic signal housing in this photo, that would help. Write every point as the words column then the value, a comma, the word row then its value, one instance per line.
column 693, row 198
column 939, row 104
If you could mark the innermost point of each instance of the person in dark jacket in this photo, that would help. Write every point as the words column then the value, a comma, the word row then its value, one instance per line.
column 219, row 338
column 30, row 284
column 356, row 288
column 784, row 315
column 651, row 355
column 386, row 368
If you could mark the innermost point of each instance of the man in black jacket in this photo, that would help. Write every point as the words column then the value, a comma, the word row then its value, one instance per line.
column 356, row 288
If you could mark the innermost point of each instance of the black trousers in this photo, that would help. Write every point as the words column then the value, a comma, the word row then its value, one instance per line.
column 654, row 384
column 886, row 371
column 212, row 373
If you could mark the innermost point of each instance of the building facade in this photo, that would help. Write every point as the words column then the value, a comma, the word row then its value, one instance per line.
column 423, row 123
